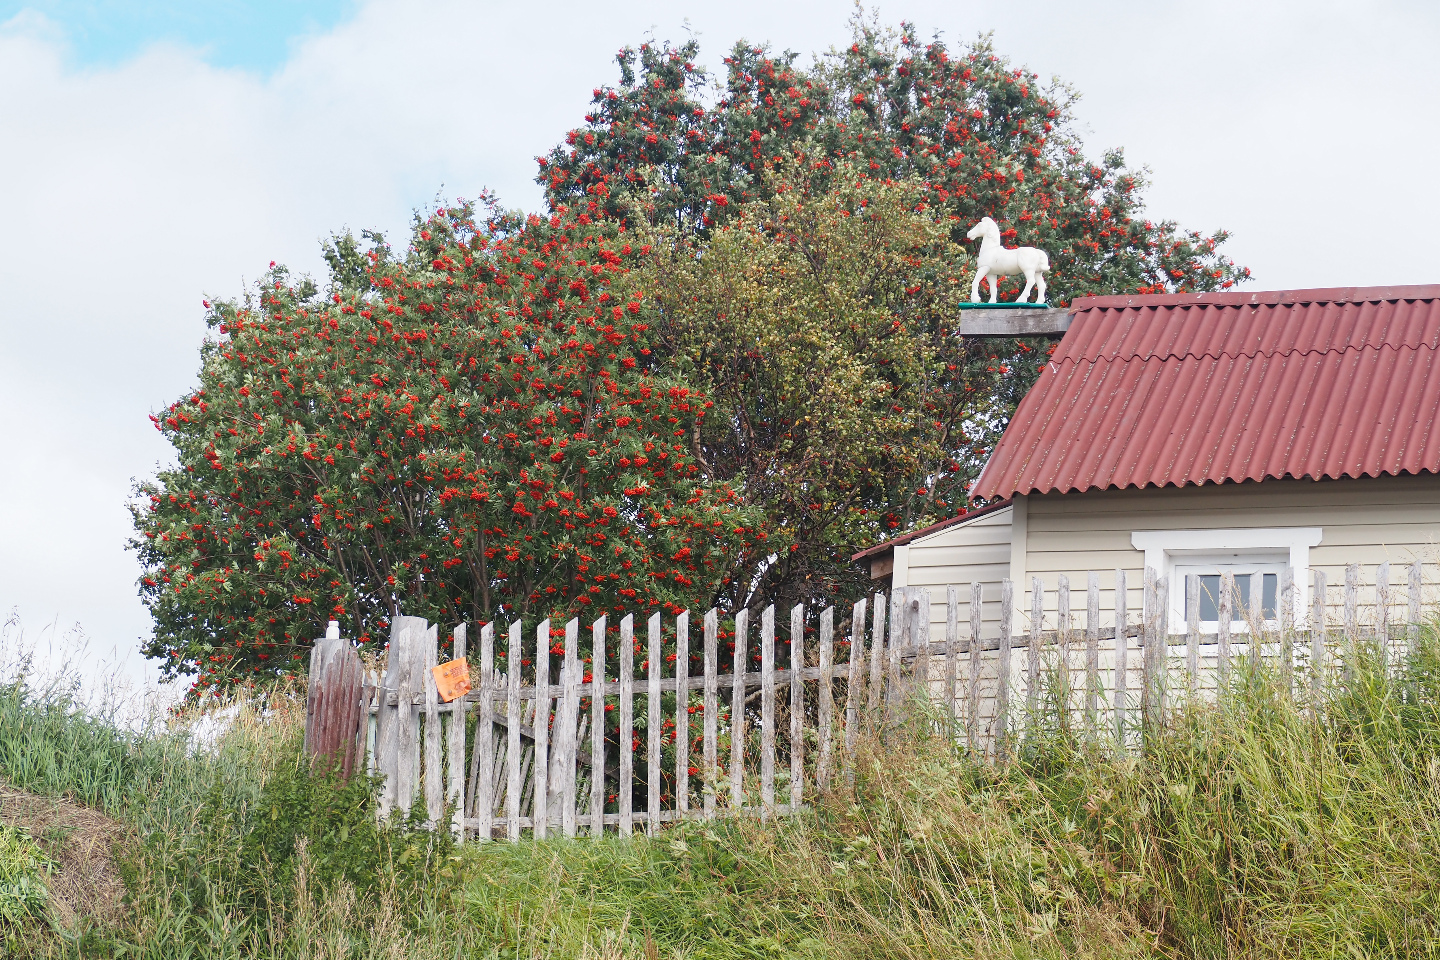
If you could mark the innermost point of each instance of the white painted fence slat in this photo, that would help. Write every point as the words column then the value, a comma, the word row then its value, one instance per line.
column 482, row 780
column 434, row 786
column 682, row 713
column 1192, row 633
column 877, row 653
column 767, row 712
column 1226, row 613
column 1413, row 630
column 712, row 709
column 1001, row 735
column 737, row 710
column 1317, row 633
column 540, row 805
column 515, row 652
column 654, row 729
column 455, row 747
column 1287, row 629
column 797, row 705
column 1092, row 650
column 1062, row 629
column 626, row 790
column 853, row 680
column 952, row 655
column 824, row 718
column 1122, row 649
column 1382, row 611
column 1032, row 660
column 569, row 744
column 597, row 727
column 972, row 696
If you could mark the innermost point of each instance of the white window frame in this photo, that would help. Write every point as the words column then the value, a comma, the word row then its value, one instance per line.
column 1163, row 548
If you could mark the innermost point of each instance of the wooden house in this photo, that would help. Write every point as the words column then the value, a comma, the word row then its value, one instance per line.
column 1201, row 433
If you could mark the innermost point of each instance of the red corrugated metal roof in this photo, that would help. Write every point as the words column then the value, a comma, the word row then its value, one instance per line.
column 1196, row 388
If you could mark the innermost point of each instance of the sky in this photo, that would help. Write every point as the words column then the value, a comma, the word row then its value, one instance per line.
column 154, row 154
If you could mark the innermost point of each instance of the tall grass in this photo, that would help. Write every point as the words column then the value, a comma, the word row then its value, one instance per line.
column 1262, row 826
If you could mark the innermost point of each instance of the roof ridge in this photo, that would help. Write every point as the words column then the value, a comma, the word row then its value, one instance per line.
column 1249, row 355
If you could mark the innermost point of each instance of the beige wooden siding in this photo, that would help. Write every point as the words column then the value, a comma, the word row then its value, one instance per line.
column 977, row 551
column 1367, row 521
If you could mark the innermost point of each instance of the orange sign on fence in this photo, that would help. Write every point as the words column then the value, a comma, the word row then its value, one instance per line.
column 452, row 679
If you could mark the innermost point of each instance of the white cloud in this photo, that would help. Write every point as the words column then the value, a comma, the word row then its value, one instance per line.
column 128, row 193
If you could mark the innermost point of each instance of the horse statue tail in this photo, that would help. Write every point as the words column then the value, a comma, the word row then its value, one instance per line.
column 1044, row 260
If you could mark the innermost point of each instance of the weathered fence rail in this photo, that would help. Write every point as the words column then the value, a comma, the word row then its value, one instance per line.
column 638, row 731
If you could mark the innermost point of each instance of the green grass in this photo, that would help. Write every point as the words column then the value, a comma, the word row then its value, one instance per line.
column 1259, row 828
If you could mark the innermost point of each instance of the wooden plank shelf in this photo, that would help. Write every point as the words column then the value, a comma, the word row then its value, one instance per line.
column 1014, row 322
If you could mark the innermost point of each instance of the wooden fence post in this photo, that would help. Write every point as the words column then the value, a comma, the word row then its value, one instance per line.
column 597, row 727
column 482, row 780
column 1416, row 580
column 767, row 713
column 1382, row 613
column 654, row 725
column 455, row 746
column 1149, row 610
column 625, row 796
column 1227, row 596
column 540, row 794
column 826, row 709
column 1122, row 644
column 977, row 623
column 1032, row 666
column 1287, row 630
column 853, row 685
column 515, row 652
column 569, row 746
column 920, row 640
column 1092, row 650
column 1062, row 637
column 1192, row 635
column 1317, row 633
column 877, row 653
column 1352, row 603
column 952, row 653
column 682, row 714
column 737, row 711
column 797, row 706
column 711, row 708
column 434, row 788
column 1002, row 689
column 899, row 633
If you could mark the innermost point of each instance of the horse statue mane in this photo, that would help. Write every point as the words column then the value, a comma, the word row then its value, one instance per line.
column 994, row 261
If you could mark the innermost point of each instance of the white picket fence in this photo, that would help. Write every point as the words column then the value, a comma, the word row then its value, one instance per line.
column 531, row 763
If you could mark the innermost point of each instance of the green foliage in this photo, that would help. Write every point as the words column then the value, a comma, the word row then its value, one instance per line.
column 850, row 410
column 246, row 853
column 23, row 896
column 984, row 137
column 476, row 431
column 821, row 321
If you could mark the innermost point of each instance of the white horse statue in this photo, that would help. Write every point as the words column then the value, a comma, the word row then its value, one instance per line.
column 995, row 261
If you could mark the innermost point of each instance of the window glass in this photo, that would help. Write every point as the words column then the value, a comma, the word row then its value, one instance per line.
column 1240, row 602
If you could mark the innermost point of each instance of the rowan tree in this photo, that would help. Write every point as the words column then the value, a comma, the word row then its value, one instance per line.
column 850, row 410
column 474, row 430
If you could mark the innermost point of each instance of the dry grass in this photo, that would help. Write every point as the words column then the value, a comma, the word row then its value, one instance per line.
column 86, row 884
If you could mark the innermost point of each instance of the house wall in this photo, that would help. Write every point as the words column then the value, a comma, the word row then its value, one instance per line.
column 974, row 552
column 1367, row 520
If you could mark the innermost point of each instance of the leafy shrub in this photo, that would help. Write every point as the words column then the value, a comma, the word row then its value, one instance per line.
column 23, row 897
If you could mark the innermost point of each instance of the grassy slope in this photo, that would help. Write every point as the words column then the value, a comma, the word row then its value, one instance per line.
column 1263, row 829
